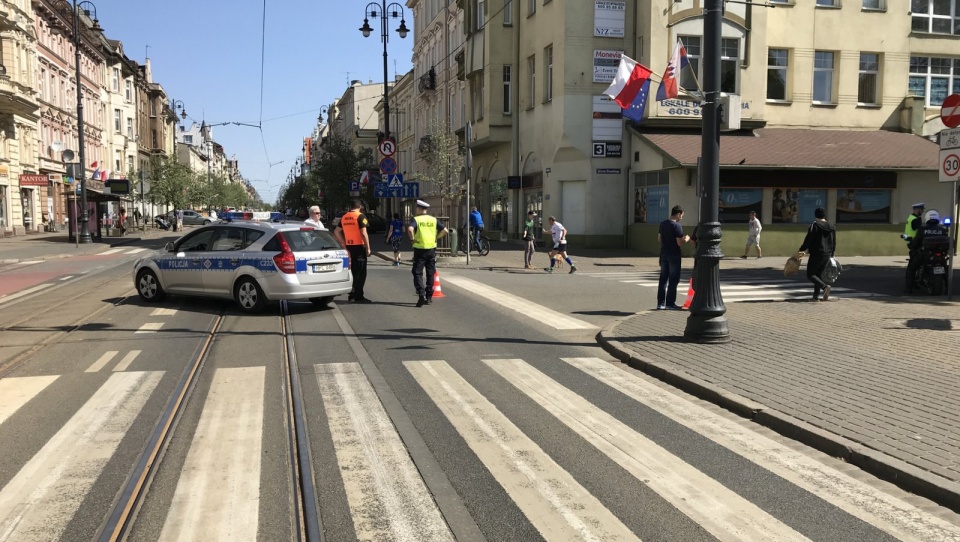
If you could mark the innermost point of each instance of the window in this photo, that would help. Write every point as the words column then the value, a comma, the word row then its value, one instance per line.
column 506, row 89
column 823, row 77
column 116, row 120
column 116, row 79
column 481, row 13
column 531, row 7
column 532, row 81
column 188, row 139
column 117, row 161
column 153, row 108
column 130, row 163
column 548, row 73
column 129, row 90
column 130, row 127
column 827, row 3
column 934, row 78
column 155, row 140
column 478, row 96
column 54, row 96
column 935, row 16
column 508, row 13
column 873, row 4
column 869, row 77
column 729, row 65
column 688, row 77
column 777, row 74
column 43, row 84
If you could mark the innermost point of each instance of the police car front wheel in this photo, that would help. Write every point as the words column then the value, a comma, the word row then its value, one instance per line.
column 148, row 286
column 249, row 295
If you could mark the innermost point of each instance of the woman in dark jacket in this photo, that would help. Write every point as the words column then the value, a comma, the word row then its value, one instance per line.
column 820, row 243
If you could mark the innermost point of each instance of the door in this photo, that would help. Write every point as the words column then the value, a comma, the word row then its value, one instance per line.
column 574, row 216
column 224, row 256
column 182, row 268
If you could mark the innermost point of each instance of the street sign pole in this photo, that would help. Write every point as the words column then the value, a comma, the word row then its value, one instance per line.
column 468, row 162
column 952, row 251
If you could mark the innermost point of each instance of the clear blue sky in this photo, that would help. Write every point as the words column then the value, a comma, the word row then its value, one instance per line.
column 207, row 53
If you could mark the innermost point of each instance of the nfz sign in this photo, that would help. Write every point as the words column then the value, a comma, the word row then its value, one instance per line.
column 607, row 149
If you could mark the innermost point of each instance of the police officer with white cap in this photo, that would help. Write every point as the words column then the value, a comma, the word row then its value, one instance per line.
column 424, row 230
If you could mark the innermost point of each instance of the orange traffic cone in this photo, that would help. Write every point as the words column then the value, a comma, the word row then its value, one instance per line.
column 437, row 293
column 686, row 304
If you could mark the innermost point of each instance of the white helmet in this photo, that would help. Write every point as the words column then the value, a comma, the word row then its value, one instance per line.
column 932, row 214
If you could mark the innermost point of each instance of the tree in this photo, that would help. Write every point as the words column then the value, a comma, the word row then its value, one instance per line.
column 171, row 181
column 337, row 165
column 445, row 173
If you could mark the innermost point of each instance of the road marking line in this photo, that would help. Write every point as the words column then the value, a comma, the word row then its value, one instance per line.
column 134, row 250
column 39, row 502
column 31, row 262
column 150, row 327
column 388, row 498
column 552, row 500
column 22, row 293
column 68, row 277
column 719, row 510
column 111, row 251
column 102, row 362
column 525, row 307
column 874, row 506
column 218, row 494
column 127, row 360
column 16, row 392
column 163, row 312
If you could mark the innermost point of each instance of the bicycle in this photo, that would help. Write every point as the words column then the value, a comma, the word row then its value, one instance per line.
column 468, row 241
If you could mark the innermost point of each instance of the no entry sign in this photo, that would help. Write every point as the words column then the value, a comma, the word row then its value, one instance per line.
column 950, row 111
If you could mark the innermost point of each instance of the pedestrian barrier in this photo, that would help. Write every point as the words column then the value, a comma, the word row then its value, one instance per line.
column 437, row 293
column 690, row 292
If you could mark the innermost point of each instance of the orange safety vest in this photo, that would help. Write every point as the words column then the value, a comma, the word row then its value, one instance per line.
column 349, row 223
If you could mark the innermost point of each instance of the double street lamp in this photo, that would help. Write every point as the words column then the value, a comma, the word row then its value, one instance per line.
column 396, row 12
column 84, row 235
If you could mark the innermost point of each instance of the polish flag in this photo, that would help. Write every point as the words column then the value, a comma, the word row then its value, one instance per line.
column 668, row 86
column 628, row 82
column 96, row 170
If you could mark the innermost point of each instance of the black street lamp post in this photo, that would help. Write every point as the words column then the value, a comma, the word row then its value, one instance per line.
column 396, row 12
column 324, row 110
column 707, row 322
column 88, row 7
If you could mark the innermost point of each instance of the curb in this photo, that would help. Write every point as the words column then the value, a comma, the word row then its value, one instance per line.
column 122, row 242
column 898, row 472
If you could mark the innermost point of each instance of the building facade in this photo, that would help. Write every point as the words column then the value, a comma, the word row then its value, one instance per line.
column 23, row 193
column 547, row 139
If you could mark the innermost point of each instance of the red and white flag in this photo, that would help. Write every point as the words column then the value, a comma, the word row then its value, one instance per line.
column 628, row 82
column 669, row 88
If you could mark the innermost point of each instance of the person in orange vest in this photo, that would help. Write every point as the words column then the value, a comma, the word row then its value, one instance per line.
column 352, row 233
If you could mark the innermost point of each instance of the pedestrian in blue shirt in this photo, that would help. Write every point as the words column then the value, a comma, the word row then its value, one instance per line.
column 476, row 226
column 394, row 236
column 671, row 238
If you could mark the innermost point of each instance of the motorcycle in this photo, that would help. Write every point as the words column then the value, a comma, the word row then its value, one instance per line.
column 930, row 276
column 161, row 223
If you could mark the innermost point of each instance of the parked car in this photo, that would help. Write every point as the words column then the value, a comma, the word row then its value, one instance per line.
column 191, row 218
column 251, row 262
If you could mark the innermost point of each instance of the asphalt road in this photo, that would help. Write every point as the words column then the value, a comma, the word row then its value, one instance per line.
column 491, row 414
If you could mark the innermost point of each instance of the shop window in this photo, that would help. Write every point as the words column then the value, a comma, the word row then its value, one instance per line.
column 499, row 200
column 651, row 197
column 863, row 206
column 796, row 205
column 736, row 204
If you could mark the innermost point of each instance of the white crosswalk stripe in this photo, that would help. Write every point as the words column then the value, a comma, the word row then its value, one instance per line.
column 737, row 288
column 522, row 306
column 16, row 392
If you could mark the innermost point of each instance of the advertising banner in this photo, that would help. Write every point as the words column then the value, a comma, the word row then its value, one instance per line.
column 736, row 204
column 609, row 18
column 605, row 65
column 855, row 206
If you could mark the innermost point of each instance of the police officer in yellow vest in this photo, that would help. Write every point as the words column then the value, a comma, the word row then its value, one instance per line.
column 424, row 230
column 352, row 233
column 913, row 224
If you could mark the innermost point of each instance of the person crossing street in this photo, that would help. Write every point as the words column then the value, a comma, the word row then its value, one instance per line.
column 352, row 233
column 559, row 235
column 424, row 230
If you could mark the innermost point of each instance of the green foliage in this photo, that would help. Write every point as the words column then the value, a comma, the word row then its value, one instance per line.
column 444, row 176
column 171, row 182
column 337, row 165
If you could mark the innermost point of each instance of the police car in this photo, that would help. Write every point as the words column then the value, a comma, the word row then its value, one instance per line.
column 248, row 261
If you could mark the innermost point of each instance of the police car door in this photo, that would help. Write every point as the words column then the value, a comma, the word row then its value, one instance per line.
column 224, row 257
column 182, row 268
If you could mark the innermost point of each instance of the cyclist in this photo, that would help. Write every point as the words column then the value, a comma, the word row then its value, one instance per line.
column 476, row 227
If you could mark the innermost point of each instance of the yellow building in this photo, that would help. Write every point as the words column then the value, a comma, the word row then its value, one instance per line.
column 827, row 116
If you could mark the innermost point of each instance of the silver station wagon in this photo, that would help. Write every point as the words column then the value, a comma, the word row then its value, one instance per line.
column 251, row 262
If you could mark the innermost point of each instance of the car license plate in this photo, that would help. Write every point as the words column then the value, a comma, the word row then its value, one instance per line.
column 939, row 270
column 324, row 268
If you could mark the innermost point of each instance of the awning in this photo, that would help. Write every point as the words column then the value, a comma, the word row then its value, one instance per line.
column 802, row 148
column 95, row 195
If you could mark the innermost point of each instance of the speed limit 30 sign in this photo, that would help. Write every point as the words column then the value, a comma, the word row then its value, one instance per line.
column 949, row 165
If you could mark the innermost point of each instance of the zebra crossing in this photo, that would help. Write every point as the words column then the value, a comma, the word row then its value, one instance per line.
column 219, row 492
column 737, row 287
column 121, row 250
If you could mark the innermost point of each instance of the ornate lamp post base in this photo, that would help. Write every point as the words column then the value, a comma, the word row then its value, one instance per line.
column 707, row 323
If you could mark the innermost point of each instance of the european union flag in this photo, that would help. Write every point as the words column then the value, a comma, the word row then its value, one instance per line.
column 635, row 111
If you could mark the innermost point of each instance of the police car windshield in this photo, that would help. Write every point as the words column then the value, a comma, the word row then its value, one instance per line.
column 310, row 240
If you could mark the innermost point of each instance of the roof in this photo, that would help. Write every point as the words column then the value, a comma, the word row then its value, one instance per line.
column 805, row 148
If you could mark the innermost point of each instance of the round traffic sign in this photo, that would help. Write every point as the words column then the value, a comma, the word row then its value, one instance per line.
column 950, row 111
column 387, row 147
column 951, row 165
column 388, row 165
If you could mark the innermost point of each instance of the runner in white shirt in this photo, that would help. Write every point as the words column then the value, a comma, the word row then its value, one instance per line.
column 314, row 219
column 559, row 235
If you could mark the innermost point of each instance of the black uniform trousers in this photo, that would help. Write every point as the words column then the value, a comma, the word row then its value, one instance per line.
column 358, row 266
column 424, row 258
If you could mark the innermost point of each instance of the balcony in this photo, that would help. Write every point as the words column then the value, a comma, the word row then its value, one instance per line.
column 428, row 81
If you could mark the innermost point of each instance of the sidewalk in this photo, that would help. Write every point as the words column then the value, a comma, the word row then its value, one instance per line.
column 873, row 381
column 46, row 246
